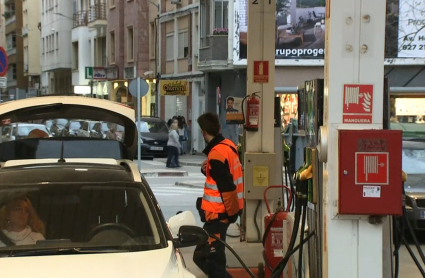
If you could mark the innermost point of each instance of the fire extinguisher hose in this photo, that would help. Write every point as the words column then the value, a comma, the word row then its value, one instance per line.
column 298, row 208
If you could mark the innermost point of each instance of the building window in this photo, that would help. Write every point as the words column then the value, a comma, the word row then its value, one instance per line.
column 112, row 47
column 75, row 55
column 169, row 44
column 205, row 22
column 220, row 13
column 11, row 72
column 152, row 40
column 111, row 3
column 183, row 44
column 130, row 44
column 57, row 40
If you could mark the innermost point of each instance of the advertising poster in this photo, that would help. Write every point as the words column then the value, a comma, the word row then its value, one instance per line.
column 234, row 114
column 300, row 29
column 411, row 29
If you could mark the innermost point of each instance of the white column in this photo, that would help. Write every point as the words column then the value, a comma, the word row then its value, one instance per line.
column 354, row 54
column 261, row 47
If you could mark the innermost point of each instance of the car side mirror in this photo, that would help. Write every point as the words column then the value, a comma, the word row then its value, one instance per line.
column 190, row 236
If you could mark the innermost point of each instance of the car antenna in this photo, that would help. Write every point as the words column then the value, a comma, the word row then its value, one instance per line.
column 61, row 160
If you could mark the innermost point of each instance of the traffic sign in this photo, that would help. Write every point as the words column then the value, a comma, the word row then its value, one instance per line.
column 144, row 87
column 3, row 82
column 4, row 62
column 372, row 168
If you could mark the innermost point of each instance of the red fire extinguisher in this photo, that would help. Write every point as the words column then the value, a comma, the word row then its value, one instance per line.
column 252, row 118
column 273, row 246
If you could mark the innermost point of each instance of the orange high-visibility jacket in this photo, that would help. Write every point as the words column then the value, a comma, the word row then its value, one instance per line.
column 230, row 201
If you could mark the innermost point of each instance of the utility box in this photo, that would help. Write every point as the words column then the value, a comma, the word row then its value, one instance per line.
column 260, row 172
column 370, row 171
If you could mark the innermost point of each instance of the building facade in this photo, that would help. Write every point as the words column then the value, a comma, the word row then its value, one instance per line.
column 89, row 49
column 56, row 60
column 17, row 82
column 178, row 31
column 128, row 50
column 31, row 32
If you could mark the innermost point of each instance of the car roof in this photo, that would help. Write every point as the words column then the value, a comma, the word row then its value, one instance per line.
column 63, row 172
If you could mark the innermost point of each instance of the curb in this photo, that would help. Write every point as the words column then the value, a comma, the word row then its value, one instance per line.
column 190, row 163
column 189, row 184
column 164, row 174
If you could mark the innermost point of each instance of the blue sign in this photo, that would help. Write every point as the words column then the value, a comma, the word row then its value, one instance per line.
column 3, row 62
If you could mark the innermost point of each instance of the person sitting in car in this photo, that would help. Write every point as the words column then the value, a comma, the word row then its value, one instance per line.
column 20, row 223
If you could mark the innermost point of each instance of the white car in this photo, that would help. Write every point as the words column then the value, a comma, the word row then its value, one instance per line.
column 90, row 211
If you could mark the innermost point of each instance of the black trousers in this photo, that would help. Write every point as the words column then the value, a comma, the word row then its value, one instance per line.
column 173, row 156
column 211, row 257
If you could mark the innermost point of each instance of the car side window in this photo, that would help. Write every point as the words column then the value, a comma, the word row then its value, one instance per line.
column 6, row 130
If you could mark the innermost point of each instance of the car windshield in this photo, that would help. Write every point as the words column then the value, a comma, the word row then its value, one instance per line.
column 95, row 217
column 152, row 126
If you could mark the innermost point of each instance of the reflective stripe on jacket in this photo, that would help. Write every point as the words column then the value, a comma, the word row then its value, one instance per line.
column 213, row 201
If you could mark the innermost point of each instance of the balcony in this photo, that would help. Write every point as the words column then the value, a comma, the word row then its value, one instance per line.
column 80, row 18
column 215, row 53
column 97, row 16
column 10, row 17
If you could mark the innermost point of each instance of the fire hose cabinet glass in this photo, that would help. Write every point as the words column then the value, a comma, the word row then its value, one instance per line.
column 370, row 172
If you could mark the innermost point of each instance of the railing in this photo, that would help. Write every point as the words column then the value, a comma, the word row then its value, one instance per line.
column 97, row 11
column 80, row 19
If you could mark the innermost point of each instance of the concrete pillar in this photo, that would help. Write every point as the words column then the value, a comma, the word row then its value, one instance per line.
column 355, row 31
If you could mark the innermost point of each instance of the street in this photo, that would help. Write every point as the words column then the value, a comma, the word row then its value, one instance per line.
column 173, row 198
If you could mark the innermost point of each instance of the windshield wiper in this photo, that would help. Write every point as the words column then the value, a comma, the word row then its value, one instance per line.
column 63, row 251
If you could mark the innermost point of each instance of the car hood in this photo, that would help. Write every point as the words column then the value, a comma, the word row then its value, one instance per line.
column 154, row 136
column 415, row 185
column 52, row 107
column 160, row 263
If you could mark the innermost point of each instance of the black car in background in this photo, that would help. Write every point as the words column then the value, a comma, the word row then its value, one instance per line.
column 154, row 137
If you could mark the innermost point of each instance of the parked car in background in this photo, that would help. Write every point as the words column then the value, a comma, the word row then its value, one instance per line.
column 154, row 136
column 413, row 164
column 57, row 126
column 17, row 131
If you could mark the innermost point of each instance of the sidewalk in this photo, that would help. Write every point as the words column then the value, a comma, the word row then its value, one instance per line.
column 188, row 160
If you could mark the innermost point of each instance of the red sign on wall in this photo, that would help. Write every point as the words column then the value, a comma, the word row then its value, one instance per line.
column 261, row 71
column 358, row 104
column 372, row 168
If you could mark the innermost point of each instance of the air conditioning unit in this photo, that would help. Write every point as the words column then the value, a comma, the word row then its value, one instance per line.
column 176, row 2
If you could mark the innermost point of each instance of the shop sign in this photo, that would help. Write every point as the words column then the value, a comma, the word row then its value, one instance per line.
column 112, row 73
column 174, row 88
column 129, row 72
column 95, row 73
